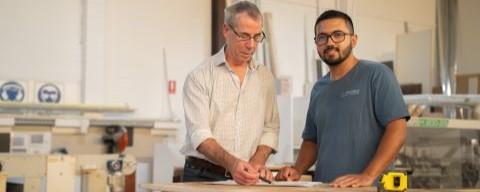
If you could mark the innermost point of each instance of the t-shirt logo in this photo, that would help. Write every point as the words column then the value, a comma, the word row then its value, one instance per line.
column 350, row 93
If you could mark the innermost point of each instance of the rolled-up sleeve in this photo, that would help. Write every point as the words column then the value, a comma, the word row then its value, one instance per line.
column 196, row 106
column 272, row 123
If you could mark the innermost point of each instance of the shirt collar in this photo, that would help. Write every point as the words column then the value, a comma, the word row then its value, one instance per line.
column 219, row 59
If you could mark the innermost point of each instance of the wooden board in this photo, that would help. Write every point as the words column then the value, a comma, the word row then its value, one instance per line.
column 201, row 187
column 3, row 182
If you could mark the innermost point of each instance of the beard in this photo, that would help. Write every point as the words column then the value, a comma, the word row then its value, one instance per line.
column 342, row 55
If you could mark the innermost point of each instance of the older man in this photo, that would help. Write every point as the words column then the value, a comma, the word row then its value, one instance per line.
column 230, row 107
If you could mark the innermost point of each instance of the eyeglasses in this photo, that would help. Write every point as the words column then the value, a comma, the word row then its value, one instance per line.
column 258, row 38
column 336, row 36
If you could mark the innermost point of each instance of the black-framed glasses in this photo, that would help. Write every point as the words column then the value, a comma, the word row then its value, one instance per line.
column 246, row 37
column 336, row 36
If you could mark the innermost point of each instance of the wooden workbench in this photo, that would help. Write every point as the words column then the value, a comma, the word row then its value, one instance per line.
column 201, row 187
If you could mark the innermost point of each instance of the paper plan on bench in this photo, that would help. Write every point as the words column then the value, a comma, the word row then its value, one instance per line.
column 276, row 183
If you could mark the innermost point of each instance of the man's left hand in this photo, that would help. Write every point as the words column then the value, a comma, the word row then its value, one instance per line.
column 263, row 171
column 353, row 180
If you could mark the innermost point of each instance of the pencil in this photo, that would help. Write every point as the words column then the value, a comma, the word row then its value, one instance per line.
column 265, row 180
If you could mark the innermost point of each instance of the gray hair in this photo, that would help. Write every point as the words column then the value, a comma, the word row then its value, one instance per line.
column 239, row 7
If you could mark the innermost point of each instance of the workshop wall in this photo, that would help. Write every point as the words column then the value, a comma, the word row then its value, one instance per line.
column 111, row 51
column 468, row 42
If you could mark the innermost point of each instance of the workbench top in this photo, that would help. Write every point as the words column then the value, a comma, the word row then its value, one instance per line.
column 202, row 187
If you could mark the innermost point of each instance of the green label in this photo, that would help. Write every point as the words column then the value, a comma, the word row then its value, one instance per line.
column 432, row 123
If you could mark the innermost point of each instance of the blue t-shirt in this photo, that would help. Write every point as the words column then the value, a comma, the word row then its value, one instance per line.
column 348, row 117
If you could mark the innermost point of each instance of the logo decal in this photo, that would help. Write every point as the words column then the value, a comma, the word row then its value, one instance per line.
column 49, row 93
column 351, row 93
column 12, row 91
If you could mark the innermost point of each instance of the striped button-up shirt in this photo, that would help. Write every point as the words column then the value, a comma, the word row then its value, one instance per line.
column 238, row 116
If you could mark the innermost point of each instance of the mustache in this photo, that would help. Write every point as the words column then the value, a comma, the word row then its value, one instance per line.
column 330, row 48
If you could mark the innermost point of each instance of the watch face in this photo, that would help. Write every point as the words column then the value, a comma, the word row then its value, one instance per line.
column 12, row 91
column 49, row 93
column 114, row 166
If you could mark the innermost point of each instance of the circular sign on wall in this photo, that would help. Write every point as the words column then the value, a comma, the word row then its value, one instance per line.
column 49, row 93
column 12, row 91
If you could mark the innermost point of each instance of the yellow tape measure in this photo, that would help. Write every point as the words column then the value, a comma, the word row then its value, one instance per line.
column 393, row 181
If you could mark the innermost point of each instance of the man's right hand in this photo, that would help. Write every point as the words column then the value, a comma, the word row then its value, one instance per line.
column 288, row 174
column 243, row 173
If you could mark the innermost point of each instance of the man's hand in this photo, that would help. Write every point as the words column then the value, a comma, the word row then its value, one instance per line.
column 288, row 174
column 354, row 180
column 243, row 173
column 263, row 171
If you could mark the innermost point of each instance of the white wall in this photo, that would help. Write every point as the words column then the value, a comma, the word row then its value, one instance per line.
column 376, row 22
column 468, row 43
column 379, row 22
column 388, row 28
column 414, row 59
column 40, row 42
column 39, row 39
column 121, row 58
column 123, row 63
column 136, row 33
column 292, row 23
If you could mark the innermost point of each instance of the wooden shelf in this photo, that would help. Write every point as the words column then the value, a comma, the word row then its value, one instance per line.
column 76, row 125
column 13, row 106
